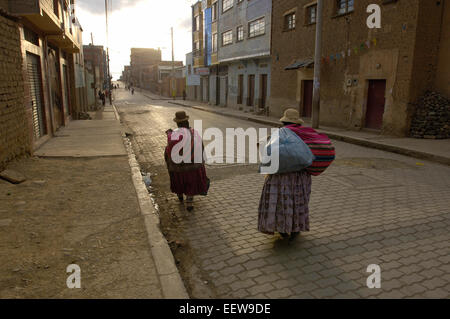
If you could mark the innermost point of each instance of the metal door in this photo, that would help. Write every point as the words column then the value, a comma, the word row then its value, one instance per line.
column 240, row 88
column 375, row 104
column 263, row 91
column 37, row 105
column 251, row 90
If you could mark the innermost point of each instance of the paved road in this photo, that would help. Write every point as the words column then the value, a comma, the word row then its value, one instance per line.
column 370, row 207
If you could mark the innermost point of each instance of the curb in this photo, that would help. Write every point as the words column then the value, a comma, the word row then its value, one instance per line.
column 347, row 139
column 169, row 277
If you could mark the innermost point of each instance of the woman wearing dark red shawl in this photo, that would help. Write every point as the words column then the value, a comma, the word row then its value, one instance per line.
column 186, row 178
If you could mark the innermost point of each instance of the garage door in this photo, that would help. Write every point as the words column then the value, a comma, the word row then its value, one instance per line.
column 35, row 80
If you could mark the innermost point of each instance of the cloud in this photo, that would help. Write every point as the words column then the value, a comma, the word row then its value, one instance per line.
column 98, row 6
column 185, row 23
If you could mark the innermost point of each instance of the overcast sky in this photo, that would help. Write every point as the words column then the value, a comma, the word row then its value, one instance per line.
column 137, row 23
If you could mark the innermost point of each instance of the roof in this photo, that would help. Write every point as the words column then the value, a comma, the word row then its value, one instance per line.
column 300, row 64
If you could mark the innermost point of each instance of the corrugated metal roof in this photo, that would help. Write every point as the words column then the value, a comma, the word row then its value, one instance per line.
column 300, row 64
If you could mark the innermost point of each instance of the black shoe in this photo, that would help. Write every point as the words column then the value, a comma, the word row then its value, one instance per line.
column 190, row 208
column 293, row 236
column 180, row 198
column 284, row 235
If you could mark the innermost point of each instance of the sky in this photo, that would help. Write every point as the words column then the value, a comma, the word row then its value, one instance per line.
column 137, row 24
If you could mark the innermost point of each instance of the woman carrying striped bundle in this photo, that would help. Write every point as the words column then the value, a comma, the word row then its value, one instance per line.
column 284, row 202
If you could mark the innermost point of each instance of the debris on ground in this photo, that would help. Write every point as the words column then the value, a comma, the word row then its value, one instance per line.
column 12, row 176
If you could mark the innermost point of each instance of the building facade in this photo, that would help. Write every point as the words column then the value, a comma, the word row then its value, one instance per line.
column 369, row 77
column 205, row 19
column 142, row 58
column 154, row 77
column 96, row 61
column 244, row 42
column 50, row 57
column 192, row 80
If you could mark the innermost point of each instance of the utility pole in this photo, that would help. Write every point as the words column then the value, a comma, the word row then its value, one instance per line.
column 92, row 39
column 317, row 65
column 107, row 54
column 173, row 68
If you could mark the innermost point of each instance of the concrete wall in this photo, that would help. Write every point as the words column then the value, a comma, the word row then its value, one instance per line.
column 15, row 132
column 256, row 67
column 443, row 69
column 242, row 14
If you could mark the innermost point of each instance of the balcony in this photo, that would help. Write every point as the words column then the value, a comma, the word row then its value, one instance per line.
column 40, row 13
column 66, row 42
column 46, row 15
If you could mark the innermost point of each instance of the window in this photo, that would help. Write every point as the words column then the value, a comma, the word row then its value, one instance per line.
column 289, row 21
column 214, row 11
column 197, row 23
column 240, row 33
column 214, row 42
column 31, row 36
column 197, row 48
column 227, row 38
column 227, row 5
column 56, row 7
column 256, row 28
column 345, row 6
column 311, row 14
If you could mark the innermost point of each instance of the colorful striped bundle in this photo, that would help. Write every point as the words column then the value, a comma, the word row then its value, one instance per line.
column 320, row 146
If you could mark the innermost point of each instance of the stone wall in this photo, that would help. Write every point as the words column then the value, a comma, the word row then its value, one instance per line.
column 14, row 126
column 432, row 118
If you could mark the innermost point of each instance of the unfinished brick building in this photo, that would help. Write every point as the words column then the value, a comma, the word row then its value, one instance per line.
column 15, row 139
column 369, row 77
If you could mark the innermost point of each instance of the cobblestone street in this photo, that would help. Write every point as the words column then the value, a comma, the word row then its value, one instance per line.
column 370, row 207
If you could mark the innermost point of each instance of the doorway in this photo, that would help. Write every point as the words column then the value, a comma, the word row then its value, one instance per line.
column 263, row 91
column 251, row 90
column 376, row 101
column 66, row 94
column 307, row 98
column 240, row 88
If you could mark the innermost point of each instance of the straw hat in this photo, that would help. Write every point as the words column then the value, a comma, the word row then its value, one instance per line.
column 180, row 117
column 292, row 116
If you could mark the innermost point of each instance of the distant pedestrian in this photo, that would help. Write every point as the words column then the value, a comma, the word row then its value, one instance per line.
column 284, row 203
column 188, row 173
column 103, row 98
column 132, row 91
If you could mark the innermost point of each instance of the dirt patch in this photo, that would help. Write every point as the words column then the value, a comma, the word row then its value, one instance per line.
column 78, row 211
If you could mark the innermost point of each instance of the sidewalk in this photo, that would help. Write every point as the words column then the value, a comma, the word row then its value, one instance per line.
column 432, row 150
column 82, row 204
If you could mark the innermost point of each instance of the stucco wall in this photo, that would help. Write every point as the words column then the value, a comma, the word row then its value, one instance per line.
column 242, row 14
column 256, row 67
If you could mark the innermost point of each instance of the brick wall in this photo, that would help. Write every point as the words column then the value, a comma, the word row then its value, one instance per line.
column 14, row 132
column 4, row 5
column 401, row 57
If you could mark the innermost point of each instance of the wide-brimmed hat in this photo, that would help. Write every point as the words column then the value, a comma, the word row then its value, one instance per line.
column 291, row 116
column 180, row 117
